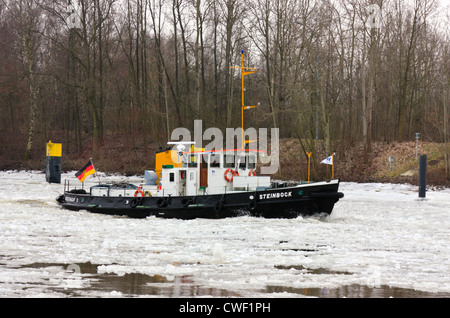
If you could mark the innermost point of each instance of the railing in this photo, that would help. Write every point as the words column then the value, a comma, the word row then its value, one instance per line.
column 108, row 188
column 67, row 186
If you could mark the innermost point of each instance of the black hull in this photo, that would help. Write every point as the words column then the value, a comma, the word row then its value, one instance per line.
column 286, row 202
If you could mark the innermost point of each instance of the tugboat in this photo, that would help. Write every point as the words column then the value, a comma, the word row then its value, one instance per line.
column 213, row 184
column 206, row 184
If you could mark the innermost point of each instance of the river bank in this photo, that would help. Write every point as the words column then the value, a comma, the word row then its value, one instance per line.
column 352, row 163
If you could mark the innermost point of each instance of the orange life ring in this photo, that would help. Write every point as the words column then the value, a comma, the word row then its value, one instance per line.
column 233, row 173
column 252, row 173
column 139, row 189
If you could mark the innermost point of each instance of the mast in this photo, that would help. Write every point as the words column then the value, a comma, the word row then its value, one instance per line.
column 244, row 71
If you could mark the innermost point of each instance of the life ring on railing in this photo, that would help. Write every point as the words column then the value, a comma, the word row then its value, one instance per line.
column 252, row 173
column 139, row 190
column 147, row 193
column 233, row 173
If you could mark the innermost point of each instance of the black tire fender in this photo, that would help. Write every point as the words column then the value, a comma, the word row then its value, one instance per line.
column 186, row 202
column 135, row 202
column 218, row 206
column 252, row 205
column 162, row 202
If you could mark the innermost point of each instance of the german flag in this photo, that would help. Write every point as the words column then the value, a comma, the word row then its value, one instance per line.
column 87, row 170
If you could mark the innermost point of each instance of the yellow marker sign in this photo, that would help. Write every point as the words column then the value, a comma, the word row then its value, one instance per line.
column 309, row 165
column 54, row 150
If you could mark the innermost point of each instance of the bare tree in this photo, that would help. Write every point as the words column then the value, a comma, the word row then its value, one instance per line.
column 26, row 12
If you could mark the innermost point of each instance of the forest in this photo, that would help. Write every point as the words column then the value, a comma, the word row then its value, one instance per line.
column 107, row 77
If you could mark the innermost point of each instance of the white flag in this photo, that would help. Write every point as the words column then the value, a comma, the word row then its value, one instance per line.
column 328, row 161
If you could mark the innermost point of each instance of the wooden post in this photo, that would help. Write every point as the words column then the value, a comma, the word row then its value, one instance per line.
column 332, row 166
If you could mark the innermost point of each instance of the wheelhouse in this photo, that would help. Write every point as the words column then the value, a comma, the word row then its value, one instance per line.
column 211, row 172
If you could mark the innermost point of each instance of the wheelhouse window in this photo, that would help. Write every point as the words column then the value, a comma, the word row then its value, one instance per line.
column 172, row 177
column 228, row 161
column 252, row 162
column 242, row 162
column 214, row 161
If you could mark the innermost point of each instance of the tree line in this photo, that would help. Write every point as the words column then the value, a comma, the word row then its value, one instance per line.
column 342, row 72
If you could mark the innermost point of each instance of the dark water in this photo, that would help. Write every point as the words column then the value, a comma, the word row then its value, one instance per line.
column 357, row 291
column 136, row 284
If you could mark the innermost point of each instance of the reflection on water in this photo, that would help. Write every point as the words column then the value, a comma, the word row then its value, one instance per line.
column 136, row 284
column 130, row 284
column 317, row 271
column 357, row 291
column 350, row 291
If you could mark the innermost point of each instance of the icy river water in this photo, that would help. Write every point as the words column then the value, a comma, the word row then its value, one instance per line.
column 380, row 241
